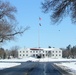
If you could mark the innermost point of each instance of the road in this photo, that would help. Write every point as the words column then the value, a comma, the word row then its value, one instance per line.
column 34, row 68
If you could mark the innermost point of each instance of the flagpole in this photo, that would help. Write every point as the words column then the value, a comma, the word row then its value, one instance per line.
column 38, row 36
column 39, row 33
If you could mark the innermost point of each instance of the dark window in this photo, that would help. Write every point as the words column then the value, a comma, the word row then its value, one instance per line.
column 53, row 55
column 36, row 54
column 46, row 54
column 59, row 55
column 46, row 51
column 39, row 51
column 23, row 55
column 33, row 54
column 43, row 55
column 49, row 52
column 59, row 51
column 26, row 54
column 26, row 51
column 23, row 51
column 56, row 54
column 53, row 51
column 56, row 51
column 31, row 51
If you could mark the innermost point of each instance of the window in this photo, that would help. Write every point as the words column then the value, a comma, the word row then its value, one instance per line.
column 46, row 54
column 43, row 55
column 36, row 51
column 59, row 54
column 33, row 54
column 59, row 51
column 49, row 51
column 36, row 54
column 33, row 51
column 53, row 51
column 23, row 51
column 30, row 51
column 53, row 55
column 26, row 54
column 56, row 51
column 26, row 51
column 23, row 55
column 39, row 51
column 46, row 51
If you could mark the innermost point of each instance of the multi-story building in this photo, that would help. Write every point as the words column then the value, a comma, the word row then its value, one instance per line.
column 40, row 52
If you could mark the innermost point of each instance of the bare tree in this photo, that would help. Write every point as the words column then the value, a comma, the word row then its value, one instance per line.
column 73, row 51
column 8, row 22
column 14, row 51
column 2, row 53
column 60, row 9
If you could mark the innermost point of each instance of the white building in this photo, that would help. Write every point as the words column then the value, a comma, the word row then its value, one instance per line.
column 40, row 52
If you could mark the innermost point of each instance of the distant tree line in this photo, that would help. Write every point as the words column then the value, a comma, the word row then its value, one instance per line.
column 69, row 52
column 8, row 54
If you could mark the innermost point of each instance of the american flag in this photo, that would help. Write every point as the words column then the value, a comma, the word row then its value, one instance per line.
column 40, row 18
column 39, row 24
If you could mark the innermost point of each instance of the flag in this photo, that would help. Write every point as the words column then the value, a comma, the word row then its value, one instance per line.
column 39, row 24
column 40, row 18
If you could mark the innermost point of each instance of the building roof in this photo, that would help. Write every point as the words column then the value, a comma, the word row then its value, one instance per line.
column 45, row 49
column 36, row 49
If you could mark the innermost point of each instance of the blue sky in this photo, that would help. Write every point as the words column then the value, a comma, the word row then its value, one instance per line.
column 28, row 14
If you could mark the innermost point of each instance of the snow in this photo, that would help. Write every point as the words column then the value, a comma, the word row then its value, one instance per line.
column 67, row 64
column 8, row 65
column 56, row 60
column 70, row 64
column 19, row 60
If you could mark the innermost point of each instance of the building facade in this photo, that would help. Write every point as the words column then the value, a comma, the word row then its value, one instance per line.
column 40, row 52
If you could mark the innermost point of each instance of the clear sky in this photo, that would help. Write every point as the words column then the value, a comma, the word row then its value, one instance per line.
column 28, row 14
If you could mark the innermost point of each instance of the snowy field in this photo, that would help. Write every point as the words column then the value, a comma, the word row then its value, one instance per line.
column 8, row 65
column 69, row 65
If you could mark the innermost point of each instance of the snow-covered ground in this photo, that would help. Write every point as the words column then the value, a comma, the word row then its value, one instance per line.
column 70, row 64
column 67, row 64
column 56, row 60
column 35, row 59
column 8, row 65
column 19, row 60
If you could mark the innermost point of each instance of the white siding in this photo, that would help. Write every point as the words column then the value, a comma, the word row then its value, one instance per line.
column 45, row 52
